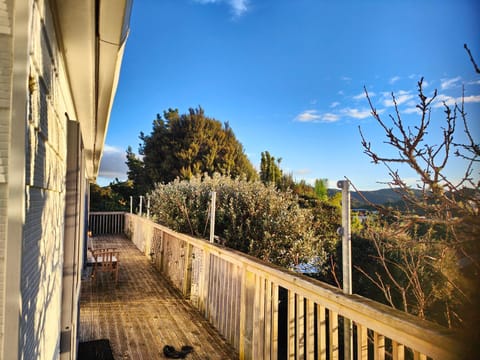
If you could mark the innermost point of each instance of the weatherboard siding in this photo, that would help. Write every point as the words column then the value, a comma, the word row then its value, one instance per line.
column 42, row 256
column 5, row 97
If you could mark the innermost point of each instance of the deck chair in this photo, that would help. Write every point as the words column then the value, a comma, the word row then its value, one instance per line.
column 105, row 260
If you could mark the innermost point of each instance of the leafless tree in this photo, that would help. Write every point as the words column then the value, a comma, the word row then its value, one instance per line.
column 429, row 252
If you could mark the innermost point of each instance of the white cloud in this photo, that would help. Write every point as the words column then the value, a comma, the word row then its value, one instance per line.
column 412, row 110
column 362, row 95
column 441, row 98
column 238, row 7
column 401, row 97
column 334, row 104
column 111, row 149
column 308, row 116
column 356, row 113
column 314, row 116
column 113, row 163
column 449, row 83
column 329, row 117
column 394, row 79
column 470, row 99
column 302, row 171
column 346, row 78
column 450, row 100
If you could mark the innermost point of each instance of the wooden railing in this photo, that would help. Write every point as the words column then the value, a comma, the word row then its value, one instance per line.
column 100, row 223
column 267, row 312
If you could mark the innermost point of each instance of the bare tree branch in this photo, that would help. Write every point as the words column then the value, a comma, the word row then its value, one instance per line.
column 424, row 254
column 472, row 60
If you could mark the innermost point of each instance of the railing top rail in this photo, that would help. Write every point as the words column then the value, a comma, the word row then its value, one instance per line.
column 402, row 327
column 106, row 212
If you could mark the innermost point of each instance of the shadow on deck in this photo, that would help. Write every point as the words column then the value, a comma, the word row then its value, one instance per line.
column 143, row 312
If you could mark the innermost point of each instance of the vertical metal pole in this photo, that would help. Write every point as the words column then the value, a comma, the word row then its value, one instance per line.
column 141, row 203
column 148, row 207
column 346, row 238
column 131, row 204
column 346, row 263
column 212, row 216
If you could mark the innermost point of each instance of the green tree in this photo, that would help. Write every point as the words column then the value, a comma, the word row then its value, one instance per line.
column 137, row 175
column 321, row 189
column 336, row 199
column 287, row 183
column 105, row 199
column 184, row 145
column 123, row 188
column 306, row 194
column 270, row 172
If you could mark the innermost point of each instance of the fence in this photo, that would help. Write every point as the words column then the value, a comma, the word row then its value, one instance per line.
column 265, row 311
column 100, row 223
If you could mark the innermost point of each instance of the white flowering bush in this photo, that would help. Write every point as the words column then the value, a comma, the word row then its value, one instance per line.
column 251, row 217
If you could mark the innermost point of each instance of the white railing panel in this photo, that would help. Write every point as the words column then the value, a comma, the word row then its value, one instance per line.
column 101, row 223
column 240, row 295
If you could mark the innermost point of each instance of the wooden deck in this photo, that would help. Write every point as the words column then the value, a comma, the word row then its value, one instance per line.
column 143, row 312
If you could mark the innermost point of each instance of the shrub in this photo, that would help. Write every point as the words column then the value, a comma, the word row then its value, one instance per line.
column 251, row 217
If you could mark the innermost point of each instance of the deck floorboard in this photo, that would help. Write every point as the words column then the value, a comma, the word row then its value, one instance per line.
column 143, row 312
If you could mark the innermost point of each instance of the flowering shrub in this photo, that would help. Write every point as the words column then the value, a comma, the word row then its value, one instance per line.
column 251, row 217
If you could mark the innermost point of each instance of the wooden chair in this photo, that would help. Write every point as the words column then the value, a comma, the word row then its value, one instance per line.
column 105, row 260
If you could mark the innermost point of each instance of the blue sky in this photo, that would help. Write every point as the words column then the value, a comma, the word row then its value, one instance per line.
column 288, row 75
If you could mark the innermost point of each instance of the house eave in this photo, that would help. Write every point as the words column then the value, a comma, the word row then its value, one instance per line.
column 93, row 35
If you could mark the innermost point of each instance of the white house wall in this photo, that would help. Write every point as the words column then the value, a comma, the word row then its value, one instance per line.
column 47, row 101
column 42, row 258
column 5, row 97
column 50, row 126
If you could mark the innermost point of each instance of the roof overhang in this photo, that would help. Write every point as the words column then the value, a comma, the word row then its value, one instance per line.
column 92, row 34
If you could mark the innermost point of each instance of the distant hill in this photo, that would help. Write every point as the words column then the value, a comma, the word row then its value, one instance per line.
column 378, row 197
column 393, row 199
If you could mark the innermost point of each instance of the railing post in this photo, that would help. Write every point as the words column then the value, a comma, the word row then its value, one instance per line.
column 212, row 216
column 148, row 207
column 204, row 282
column 187, row 271
column 346, row 263
column 141, row 203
